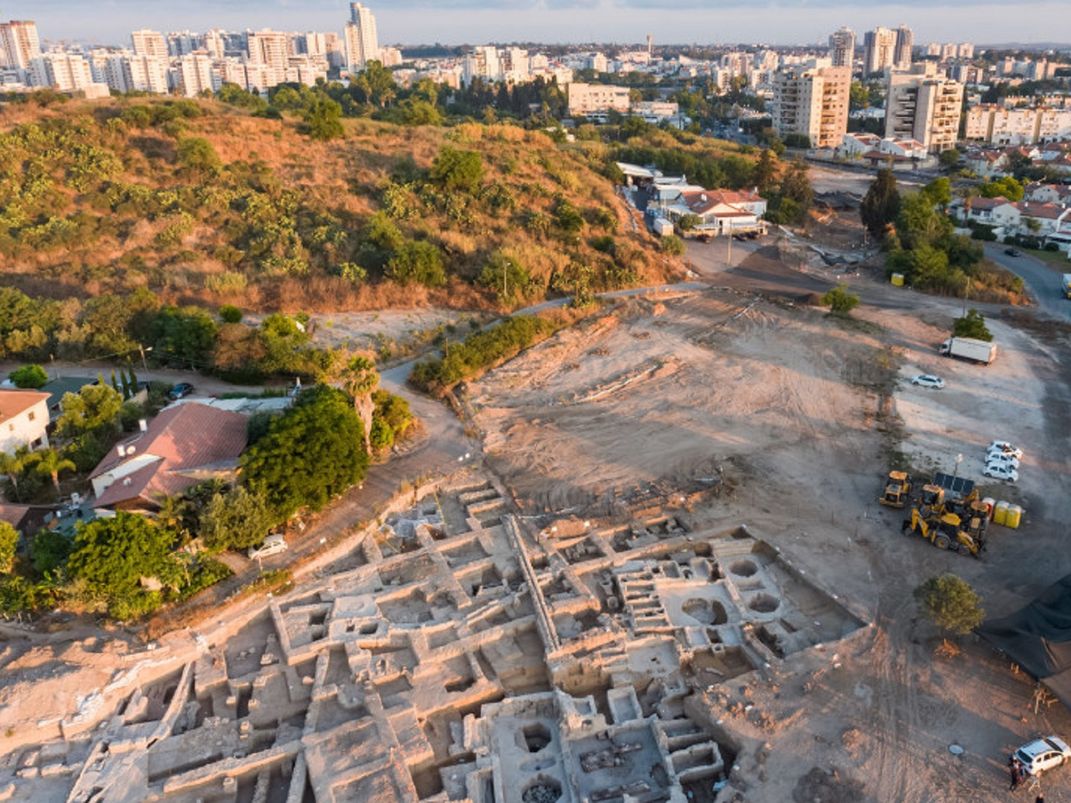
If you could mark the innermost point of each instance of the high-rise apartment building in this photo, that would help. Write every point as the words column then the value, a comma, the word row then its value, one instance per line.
column 66, row 72
column 182, row 43
column 19, row 44
column 269, row 51
column 149, row 43
column 905, row 42
column 842, row 47
column 193, row 74
column 924, row 107
column 362, row 42
column 812, row 100
column 880, row 50
column 966, row 50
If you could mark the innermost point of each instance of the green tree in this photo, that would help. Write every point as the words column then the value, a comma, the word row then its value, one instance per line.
column 919, row 221
column 939, row 191
column 858, row 96
column 840, row 301
column 949, row 159
column 323, row 118
column 196, row 155
column 881, row 204
column 229, row 313
column 49, row 550
column 688, row 222
column 360, row 380
column 951, row 604
column 9, row 541
column 972, row 325
column 796, row 185
column 12, row 466
column 765, row 172
column 672, row 245
column 110, row 557
column 51, row 463
column 457, row 171
column 236, row 519
column 92, row 408
column 185, row 336
column 417, row 261
column 311, row 454
column 1005, row 187
column 29, row 376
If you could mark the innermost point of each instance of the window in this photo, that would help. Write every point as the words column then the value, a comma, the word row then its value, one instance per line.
column 30, row 415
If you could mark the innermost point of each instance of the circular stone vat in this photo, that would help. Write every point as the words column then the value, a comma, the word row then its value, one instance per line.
column 743, row 568
column 763, row 603
column 705, row 611
column 542, row 790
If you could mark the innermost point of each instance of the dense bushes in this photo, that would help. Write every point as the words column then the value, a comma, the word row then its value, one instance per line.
column 480, row 351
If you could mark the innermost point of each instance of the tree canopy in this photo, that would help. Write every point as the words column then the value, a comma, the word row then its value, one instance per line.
column 951, row 604
column 881, row 204
column 93, row 407
column 972, row 325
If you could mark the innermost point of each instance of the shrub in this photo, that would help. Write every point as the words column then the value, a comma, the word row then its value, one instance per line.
column 840, row 301
column 9, row 539
column 417, row 261
column 29, row 376
column 457, row 171
column 197, row 155
column 672, row 245
column 323, row 118
column 226, row 283
column 971, row 325
column 235, row 519
column 229, row 313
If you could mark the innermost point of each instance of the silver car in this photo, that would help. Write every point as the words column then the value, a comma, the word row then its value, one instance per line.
column 1041, row 755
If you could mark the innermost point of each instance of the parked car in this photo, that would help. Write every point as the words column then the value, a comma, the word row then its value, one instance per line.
column 1012, row 252
column 1005, row 448
column 999, row 472
column 179, row 391
column 996, row 459
column 1041, row 755
column 928, row 381
column 273, row 545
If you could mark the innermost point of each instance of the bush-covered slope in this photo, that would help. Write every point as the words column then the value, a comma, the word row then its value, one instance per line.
column 200, row 202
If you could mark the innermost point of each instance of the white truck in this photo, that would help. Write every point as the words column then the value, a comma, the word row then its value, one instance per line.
column 1067, row 285
column 967, row 348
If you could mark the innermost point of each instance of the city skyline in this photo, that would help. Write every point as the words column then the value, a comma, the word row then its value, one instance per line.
column 566, row 21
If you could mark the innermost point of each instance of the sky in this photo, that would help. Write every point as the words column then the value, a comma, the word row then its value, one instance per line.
column 474, row 21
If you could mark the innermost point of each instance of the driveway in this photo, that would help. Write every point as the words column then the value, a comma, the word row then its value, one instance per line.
column 1043, row 279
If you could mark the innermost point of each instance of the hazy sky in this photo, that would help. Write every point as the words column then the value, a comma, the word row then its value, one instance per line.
column 469, row 21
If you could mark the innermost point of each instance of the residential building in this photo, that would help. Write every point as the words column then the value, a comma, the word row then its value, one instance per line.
column 65, row 72
column 655, row 111
column 144, row 74
column 19, row 44
column 362, row 42
column 923, row 108
column 516, row 67
column 215, row 43
column 149, row 43
column 269, row 50
column 590, row 99
column 23, row 420
column 995, row 212
column 1041, row 219
column 965, row 50
column 390, row 56
column 842, row 48
column 997, row 125
column 183, row 43
column 812, row 100
column 185, row 444
column 194, row 74
column 905, row 42
column 879, row 50
column 597, row 62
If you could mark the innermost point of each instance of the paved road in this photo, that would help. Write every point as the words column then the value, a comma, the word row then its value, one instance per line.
column 1042, row 278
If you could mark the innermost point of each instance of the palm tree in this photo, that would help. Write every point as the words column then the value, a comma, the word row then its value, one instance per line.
column 360, row 379
column 13, row 465
column 51, row 462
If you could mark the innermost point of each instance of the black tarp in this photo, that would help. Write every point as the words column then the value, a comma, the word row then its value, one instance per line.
column 1038, row 637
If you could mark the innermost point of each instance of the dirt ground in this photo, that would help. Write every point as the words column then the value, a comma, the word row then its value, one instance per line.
column 773, row 410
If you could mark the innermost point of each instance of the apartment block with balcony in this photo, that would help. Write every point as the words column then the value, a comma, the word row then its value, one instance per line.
column 812, row 101
column 924, row 108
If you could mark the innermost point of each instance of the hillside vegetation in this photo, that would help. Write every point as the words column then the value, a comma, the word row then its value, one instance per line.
column 203, row 203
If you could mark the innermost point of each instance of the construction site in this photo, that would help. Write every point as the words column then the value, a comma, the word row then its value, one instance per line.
column 679, row 570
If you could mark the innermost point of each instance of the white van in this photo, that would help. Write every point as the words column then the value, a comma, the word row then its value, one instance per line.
column 273, row 545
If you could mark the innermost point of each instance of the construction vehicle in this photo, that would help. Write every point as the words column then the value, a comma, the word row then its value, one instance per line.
column 945, row 531
column 897, row 490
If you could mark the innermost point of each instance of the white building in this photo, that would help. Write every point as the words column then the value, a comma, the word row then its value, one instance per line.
column 194, row 74
column 997, row 125
column 905, row 42
column 66, row 72
column 812, row 100
column 269, row 50
column 923, row 108
column 590, row 99
column 362, row 41
column 23, row 420
column 880, row 50
column 149, row 43
column 19, row 44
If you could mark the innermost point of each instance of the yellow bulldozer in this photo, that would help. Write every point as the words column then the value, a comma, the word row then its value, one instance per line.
column 897, row 490
column 945, row 531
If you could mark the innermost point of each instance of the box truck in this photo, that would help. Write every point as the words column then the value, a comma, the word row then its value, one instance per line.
column 967, row 348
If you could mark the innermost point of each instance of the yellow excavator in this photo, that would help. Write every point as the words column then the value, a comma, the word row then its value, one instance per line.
column 897, row 490
column 945, row 531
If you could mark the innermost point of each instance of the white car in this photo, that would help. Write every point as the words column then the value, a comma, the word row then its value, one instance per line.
column 273, row 545
column 928, row 381
column 1041, row 755
column 1005, row 448
column 996, row 458
column 999, row 472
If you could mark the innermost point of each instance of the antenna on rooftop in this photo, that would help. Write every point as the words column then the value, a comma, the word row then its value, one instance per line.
column 650, row 45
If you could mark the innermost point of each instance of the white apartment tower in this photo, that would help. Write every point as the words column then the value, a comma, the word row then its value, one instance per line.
column 66, row 72
column 842, row 47
column 149, row 43
column 194, row 74
column 925, row 108
column 269, row 51
column 362, row 43
column 880, row 50
column 812, row 100
column 905, row 42
column 19, row 44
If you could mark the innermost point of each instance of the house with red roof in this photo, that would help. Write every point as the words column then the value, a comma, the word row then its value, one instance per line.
column 184, row 445
column 721, row 211
column 23, row 420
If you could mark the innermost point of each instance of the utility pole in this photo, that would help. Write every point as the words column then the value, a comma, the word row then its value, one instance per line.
column 729, row 248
